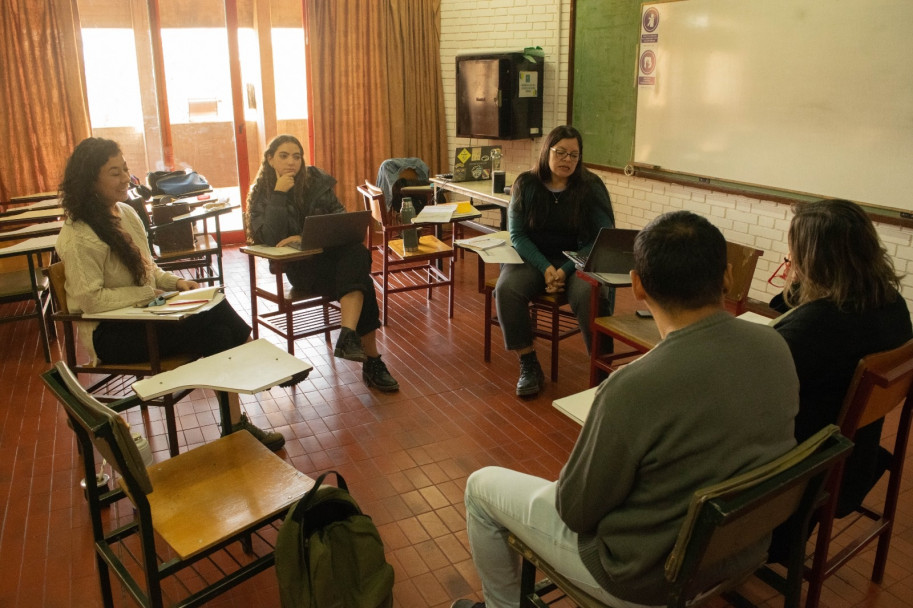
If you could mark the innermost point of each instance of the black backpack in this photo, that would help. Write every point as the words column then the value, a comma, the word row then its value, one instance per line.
column 329, row 554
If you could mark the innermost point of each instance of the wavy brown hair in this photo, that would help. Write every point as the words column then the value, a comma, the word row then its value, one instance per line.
column 576, row 192
column 835, row 254
column 81, row 203
column 265, row 182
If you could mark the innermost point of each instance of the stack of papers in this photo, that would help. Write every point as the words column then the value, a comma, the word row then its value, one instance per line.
column 445, row 213
column 493, row 248
column 481, row 243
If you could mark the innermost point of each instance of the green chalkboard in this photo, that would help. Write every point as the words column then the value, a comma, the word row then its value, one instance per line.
column 604, row 104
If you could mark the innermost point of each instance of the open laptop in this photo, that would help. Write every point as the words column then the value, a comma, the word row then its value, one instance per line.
column 333, row 230
column 611, row 258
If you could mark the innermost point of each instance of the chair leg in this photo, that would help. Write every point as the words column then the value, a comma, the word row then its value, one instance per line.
column 450, row 311
column 252, row 270
column 527, row 584
column 487, row 330
column 171, row 424
column 556, row 319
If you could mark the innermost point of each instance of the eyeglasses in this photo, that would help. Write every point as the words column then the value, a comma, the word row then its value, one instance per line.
column 562, row 154
column 778, row 278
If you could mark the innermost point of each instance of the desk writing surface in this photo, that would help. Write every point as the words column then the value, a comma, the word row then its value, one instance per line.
column 205, row 212
column 38, row 243
column 576, row 406
column 157, row 313
column 45, row 228
column 477, row 190
column 641, row 333
column 278, row 253
column 250, row 368
column 28, row 198
column 38, row 215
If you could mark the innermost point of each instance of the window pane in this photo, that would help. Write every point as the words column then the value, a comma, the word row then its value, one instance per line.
column 196, row 74
column 112, row 82
column 289, row 71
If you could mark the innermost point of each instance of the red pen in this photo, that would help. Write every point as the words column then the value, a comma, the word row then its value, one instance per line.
column 182, row 302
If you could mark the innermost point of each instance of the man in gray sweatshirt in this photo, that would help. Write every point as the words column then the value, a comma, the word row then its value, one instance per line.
column 715, row 398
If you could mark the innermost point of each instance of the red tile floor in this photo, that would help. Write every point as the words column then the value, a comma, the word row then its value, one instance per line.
column 406, row 455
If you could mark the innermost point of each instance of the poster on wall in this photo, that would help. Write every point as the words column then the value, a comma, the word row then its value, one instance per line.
column 649, row 36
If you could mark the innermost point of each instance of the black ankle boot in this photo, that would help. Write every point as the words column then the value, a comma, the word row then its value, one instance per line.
column 532, row 378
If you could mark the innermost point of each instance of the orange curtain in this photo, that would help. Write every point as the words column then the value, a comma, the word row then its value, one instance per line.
column 43, row 94
column 377, row 87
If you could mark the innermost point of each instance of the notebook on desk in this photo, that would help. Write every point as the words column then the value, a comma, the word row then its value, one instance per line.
column 611, row 258
column 333, row 230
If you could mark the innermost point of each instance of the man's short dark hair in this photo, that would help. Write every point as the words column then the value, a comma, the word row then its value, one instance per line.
column 681, row 260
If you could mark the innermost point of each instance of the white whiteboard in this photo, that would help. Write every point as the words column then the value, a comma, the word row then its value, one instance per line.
column 812, row 96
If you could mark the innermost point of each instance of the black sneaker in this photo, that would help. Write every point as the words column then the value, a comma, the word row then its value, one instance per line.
column 375, row 374
column 532, row 378
column 348, row 346
column 271, row 439
column 467, row 604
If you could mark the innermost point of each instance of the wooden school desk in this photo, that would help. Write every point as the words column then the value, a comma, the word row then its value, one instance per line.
column 24, row 284
column 249, row 368
column 478, row 192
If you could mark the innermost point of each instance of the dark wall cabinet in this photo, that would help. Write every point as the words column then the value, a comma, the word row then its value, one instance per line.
column 499, row 96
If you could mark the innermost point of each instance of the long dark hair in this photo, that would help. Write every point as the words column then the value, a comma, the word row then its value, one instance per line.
column 575, row 193
column 265, row 182
column 81, row 203
column 836, row 255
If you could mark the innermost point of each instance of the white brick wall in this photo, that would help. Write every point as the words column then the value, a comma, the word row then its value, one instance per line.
column 510, row 25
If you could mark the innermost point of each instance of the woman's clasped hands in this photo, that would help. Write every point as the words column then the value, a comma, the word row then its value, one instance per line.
column 554, row 280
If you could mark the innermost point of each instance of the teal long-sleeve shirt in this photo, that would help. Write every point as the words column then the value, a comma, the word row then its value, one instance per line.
column 542, row 245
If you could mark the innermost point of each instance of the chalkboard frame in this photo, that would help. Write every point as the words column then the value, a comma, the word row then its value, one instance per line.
column 622, row 18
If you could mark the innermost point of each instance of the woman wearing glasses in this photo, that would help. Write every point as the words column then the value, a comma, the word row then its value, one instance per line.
column 557, row 206
column 844, row 292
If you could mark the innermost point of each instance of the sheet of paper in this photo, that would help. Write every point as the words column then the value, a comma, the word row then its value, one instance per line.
column 481, row 242
column 500, row 255
column 437, row 214
column 756, row 318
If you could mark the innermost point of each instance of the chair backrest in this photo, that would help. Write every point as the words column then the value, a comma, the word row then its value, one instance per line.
column 374, row 202
column 100, row 425
column 725, row 519
column 882, row 382
column 744, row 259
column 57, row 276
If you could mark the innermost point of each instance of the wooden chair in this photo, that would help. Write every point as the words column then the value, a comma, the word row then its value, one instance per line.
column 883, row 381
column 402, row 270
column 549, row 314
column 181, row 530
column 115, row 379
column 29, row 285
column 203, row 254
column 722, row 521
column 296, row 314
column 744, row 260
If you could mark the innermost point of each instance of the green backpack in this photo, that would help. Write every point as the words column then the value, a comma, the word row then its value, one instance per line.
column 329, row 554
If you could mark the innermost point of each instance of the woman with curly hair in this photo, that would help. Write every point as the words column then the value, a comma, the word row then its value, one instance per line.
column 108, row 265
column 284, row 193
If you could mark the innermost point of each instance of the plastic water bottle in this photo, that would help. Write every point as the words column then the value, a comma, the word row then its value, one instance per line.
column 410, row 235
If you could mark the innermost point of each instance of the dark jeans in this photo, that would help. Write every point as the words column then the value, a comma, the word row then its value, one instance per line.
column 336, row 272
column 519, row 283
column 203, row 334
